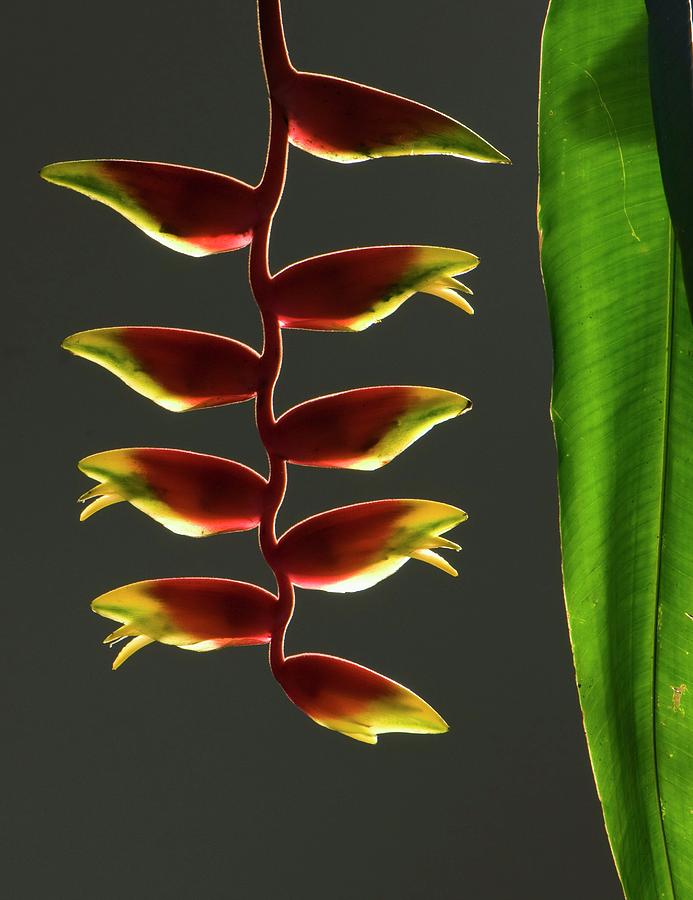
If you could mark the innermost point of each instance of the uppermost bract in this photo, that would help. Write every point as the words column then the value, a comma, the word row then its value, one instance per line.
column 348, row 122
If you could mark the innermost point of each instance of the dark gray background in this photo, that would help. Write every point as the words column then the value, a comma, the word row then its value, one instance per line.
column 187, row 775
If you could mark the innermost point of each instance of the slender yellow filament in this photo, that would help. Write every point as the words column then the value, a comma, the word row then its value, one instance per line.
column 100, row 503
column 131, row 647
column 97, row 491
column 120, row 634
column 449, row 281
column 428, row 556
column 438, row 541
column 445, row 293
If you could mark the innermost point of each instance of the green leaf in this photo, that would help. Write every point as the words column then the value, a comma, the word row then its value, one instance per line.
column 622, row 409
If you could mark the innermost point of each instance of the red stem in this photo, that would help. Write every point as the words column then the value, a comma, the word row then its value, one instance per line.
column 275, row 57
column 269, row 193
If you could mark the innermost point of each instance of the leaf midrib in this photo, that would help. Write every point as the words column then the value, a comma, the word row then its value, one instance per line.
column 668, row 356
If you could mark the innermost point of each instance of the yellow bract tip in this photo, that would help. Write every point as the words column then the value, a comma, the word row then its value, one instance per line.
column 119, row 634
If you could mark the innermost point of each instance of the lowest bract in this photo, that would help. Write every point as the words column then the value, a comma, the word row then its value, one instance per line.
column 355, row 701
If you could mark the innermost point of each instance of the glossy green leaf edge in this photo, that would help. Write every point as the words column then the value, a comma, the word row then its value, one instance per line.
column 622, row 408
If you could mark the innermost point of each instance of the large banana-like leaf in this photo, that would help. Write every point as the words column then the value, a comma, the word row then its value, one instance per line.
column 622, row 409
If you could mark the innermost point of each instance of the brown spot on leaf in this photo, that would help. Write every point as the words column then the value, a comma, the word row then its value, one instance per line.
column 678, row 693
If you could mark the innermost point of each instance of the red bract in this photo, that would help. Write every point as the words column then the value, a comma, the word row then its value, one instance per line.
column 190, row 210
column 351, row 548
column 349, row 290
column 354, row 547
column 178, row 369
column 189, row 493
column 364, row 428
column 191, row 613
column 355, row 701
column 348, row 122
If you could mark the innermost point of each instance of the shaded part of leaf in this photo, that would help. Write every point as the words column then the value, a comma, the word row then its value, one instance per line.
column 670, row 37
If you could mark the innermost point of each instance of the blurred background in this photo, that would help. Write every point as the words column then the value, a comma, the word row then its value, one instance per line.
column 186, row 775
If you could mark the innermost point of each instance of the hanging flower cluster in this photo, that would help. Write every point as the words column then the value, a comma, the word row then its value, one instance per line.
column 197, row 212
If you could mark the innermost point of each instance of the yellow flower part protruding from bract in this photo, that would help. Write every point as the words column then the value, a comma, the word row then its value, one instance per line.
column 198, row 614
column 192, row 494
column 350, row 290
column 354, row 547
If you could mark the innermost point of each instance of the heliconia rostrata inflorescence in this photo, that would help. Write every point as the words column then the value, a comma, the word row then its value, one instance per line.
column 197, row 212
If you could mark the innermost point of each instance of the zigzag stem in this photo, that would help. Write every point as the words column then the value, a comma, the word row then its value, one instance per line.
column 269, row 191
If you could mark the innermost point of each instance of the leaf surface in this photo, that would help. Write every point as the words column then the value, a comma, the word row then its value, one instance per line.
column 622, row 409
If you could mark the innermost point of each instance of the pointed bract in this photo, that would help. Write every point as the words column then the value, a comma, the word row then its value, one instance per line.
column 351, row 289
column 363, row 428
column 189, row 493
column 192, row 613
column 354, row 700
column 190, row 210
column 348, row 122
column 177, row 369
column 354, row 547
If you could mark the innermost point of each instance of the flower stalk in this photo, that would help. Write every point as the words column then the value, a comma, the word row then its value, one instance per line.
column 275, row 60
